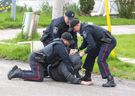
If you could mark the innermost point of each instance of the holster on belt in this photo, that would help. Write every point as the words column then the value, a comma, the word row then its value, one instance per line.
column 107, row 38
column 40, row 57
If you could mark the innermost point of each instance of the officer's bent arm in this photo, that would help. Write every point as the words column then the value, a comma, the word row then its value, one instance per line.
column 90, row 40
column 83, row 45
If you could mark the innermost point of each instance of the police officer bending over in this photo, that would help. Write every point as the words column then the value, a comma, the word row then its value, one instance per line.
column 40, row 60
column 57, row 27
column 99, row 43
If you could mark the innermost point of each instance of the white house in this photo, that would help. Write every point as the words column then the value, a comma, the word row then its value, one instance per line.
column 99, row 7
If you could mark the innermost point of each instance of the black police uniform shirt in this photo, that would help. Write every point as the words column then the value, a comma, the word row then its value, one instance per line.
column 92, row 35
column 58, row 26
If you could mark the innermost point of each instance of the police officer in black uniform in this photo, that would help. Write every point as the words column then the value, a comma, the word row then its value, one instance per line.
column 55, row 51
column 99, row 43
column 57, row 27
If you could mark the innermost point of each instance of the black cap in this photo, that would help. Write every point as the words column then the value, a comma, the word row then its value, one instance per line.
column 70, row 14
column 74, row 22
column 67, row 36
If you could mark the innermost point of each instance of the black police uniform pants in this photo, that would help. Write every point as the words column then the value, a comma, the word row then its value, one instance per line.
column 37, row 70
column 102, row 53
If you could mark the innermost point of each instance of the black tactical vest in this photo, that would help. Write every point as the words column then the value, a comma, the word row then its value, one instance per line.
column 49, row 53
column 48, row 50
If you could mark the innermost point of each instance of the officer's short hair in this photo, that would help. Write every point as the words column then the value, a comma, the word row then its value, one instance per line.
column 67, row 36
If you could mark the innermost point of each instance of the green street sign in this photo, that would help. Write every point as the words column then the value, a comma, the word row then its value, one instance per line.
column 5, row 5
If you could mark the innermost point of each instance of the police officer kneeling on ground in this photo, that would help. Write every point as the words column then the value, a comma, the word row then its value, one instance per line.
column 99, row 43
column 55, row 51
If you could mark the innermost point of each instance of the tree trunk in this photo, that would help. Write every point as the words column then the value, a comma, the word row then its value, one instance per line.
column 57, row 9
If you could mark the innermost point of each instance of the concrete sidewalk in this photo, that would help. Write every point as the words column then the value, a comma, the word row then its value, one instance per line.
column 116, row 30
column 122, row 29
column 18, row 87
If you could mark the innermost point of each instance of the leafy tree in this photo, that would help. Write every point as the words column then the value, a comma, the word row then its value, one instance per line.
column 86, row 6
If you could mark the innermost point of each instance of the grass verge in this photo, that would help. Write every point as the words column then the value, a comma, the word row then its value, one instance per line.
column 125, row 46
column 119, row 69
column 14, row 52
column 45, row 19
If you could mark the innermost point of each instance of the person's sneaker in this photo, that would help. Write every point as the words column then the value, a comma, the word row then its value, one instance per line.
column 11, row 71
column 15, row 73
column 110, row 82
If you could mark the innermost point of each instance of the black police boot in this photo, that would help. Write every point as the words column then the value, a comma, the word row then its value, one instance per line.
column 12, row 70
column 110, row 82
column 87, row 76
column 15, row 73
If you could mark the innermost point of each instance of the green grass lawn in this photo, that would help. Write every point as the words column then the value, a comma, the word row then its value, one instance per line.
column 6, row 22
column 119, row 69
column 100, row 20
column 125, row 46
column 45, row 19
column 14, row 52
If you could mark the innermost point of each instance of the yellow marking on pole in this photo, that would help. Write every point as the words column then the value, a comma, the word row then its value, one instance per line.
column 113, row 53
column 108, row 15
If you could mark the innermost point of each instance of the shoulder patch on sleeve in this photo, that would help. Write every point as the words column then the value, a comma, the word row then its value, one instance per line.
column 55, row 30
column 84, row 34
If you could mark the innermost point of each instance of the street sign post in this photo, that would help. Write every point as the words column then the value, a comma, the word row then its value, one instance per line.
column 13, row 10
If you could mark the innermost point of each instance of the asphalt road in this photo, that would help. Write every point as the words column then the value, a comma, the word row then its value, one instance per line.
column 18, row 87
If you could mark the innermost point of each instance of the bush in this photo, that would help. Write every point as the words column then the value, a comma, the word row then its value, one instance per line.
column 46, row 8
column 20, row 9
column 86, row 6
column 125, row 8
